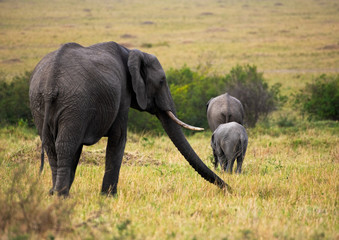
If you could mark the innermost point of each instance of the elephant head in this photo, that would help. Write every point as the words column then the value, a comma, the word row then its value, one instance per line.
column 152, row 94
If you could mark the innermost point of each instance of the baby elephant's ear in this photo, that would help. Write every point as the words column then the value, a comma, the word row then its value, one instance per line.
column 135, row 63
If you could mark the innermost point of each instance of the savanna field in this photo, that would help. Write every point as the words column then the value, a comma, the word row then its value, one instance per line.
column 289, row 185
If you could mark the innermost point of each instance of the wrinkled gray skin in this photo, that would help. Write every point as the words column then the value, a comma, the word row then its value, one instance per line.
column 80, row 94
column 223, row 109
column 229, row 142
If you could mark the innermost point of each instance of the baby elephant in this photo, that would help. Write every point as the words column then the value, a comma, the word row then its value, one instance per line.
column 229, row 142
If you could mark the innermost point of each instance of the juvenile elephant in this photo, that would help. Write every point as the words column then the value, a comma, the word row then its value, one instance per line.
column 80, row 94
column 229, row 142
column 223, row 109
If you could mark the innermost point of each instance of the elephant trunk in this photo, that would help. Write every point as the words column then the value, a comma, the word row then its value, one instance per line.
column 176, row 135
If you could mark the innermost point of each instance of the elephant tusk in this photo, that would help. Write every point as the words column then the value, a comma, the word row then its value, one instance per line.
column 185, row 125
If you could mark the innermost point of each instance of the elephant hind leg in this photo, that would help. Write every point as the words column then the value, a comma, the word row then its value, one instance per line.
column 75, row 164
column 228, row 150
column 230, row 163
column 49, row 147
column 68, row 154
column 241, row 156
column 215, row 157
column 239, row 163
column 223, row 162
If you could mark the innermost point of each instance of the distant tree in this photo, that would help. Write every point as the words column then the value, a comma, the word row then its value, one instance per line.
column 250, row 87
column 191, row 91
column 143, row 121
column 320, row 99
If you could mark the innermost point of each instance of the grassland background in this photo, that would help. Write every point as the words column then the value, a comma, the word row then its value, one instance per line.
column 289, row 188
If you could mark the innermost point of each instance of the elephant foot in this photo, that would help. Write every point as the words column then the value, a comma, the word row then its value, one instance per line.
column 109, row 188
column 109, row 191
column 51, row 192
column 109, row 194
column 60, row 193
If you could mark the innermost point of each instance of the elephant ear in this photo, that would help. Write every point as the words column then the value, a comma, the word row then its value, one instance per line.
column 135, row 63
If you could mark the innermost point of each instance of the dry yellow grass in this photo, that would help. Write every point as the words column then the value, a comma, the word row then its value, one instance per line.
column 288, row 189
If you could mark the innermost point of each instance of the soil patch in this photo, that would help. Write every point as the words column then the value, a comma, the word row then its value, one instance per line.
column 127, row 36
column 97, row 157
column 220, row 29
column 206, row 14
column 127, row 45
column 330, row 47
column 12, row 60
column 147, row 23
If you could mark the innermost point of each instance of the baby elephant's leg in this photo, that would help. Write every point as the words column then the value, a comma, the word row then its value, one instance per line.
column 239, row 163
column 229, row 155
column 215, row 156
column 223, row 162
column 240, row 158
column 230, row 163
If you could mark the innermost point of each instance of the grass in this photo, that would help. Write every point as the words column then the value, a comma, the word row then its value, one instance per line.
column 284, row 39
column 289, row 185
column 288, row 189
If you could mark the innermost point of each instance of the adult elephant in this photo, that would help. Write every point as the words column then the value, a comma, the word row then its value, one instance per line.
column 223, row 109
column 80, row 94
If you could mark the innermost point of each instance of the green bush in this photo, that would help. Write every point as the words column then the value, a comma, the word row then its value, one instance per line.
column 250, row 87
column 320, row 99
column 190, row 91
column 14, row 100
column 143, row 121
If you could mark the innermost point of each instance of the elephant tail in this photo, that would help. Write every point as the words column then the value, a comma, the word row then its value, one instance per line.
column 208, row 103
column 42, row 159
column 44, row 133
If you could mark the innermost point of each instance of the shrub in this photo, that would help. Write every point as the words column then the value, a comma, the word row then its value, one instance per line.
column 320, row 99
column 14, row 100
column 142, row 121
column 190, row 91
column 24, row 213
column 250, row 87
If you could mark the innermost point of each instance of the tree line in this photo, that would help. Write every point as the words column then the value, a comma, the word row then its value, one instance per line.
column 191, row 90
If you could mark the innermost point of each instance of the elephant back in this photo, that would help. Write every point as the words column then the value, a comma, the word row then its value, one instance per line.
column 223, row 109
